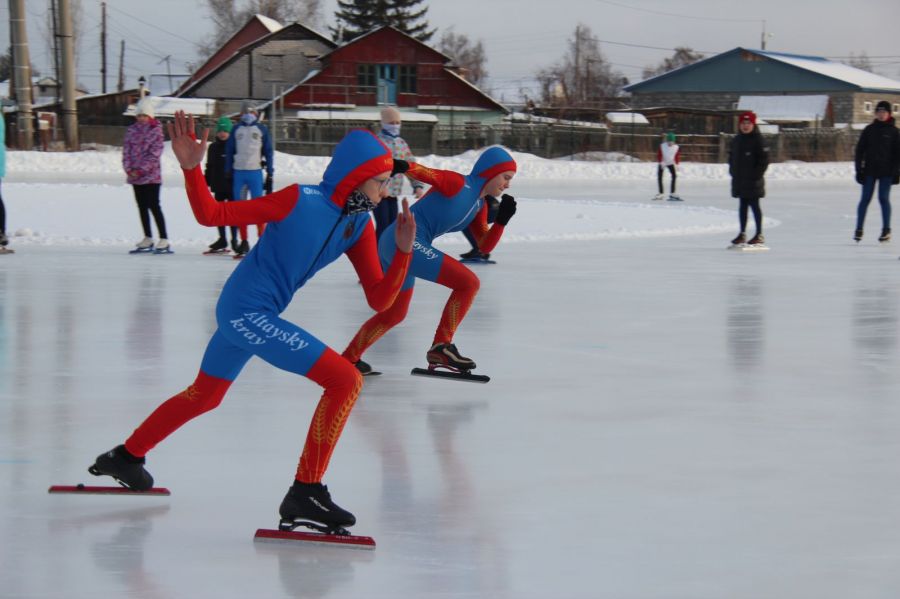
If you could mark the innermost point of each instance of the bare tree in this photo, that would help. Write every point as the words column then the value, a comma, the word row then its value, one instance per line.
column 682, row 57
column 583, row 76
column 861, row 61
column 228, row 16
column 466, row 55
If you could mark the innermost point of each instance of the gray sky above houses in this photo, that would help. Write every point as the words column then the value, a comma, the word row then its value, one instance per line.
column 519, row 37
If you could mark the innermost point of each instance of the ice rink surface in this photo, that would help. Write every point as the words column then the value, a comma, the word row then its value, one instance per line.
column 666, row 419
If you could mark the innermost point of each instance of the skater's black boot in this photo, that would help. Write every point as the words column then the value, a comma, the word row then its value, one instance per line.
column 885, row 235
column 243, row 248
column 218, row 245
column 446, row 354
column 363, row 367
column 311, row 503
column 235, row 245
column 857, row 235
column 758, row 239
column 4, row 240
column 127, row 469
column 472, row 254
column 740, row 239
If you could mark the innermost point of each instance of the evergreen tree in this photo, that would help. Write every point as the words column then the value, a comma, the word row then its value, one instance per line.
column 356, row 17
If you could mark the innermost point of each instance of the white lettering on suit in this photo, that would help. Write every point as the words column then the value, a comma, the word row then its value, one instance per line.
column 425, row 250
column 266, row 330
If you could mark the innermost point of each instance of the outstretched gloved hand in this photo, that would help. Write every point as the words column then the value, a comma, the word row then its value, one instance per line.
column 506, row 210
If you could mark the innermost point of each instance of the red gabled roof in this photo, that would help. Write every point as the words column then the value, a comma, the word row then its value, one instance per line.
column 257, row 27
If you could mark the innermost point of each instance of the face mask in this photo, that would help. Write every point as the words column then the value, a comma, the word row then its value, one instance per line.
column 391, row 129
column 248, row 118
column 358, row 202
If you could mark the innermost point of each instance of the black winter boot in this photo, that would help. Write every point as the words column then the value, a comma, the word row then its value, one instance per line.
column 312, row 502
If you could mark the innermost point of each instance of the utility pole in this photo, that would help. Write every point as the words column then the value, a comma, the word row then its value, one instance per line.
column 54, row 26
column 103, row 47
column 121, row 86
column 69, row 110
column 21, row 74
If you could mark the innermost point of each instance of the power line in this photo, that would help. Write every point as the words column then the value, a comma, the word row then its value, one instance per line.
column 166, row 31
column 680, row 16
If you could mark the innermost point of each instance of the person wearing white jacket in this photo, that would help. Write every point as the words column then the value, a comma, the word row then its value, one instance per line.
column 667, row 157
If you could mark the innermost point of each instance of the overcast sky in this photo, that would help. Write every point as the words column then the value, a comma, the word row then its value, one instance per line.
column 518, row 39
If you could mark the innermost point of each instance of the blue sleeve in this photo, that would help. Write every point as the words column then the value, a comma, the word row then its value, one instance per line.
column 229, row 153
column 267, row 150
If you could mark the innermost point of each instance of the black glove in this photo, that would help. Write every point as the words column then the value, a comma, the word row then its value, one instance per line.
column 896, row 179
column 400, row 167
column 267, row 186
column 506, row 210
column 860, row 178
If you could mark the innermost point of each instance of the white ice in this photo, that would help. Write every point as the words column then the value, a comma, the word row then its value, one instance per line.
column 665, row 419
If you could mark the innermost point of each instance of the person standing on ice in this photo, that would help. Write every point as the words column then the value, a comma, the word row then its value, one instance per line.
column 4, row 240
column 877, row 160
column 310, row 226
column 453, row 203
column 218, row 182
column 386, row 212
column 141, row 152
column 748, row 160
column 667, row 157
column 247, row 148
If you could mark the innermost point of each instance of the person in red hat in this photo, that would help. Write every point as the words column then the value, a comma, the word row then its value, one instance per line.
column 877, row 160
column 748, row 160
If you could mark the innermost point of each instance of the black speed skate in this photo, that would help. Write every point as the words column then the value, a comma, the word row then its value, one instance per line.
column 446, row 355
column 310, row 505
column 127, row 469
column 885, row 236
column 219, row 246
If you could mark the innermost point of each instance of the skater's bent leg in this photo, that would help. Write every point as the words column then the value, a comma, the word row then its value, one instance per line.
column 465, row 286
column 342, row 383
column 674, row 177
column 221, row 364
column 659, row 178
column 375, row 328
column 203, row 395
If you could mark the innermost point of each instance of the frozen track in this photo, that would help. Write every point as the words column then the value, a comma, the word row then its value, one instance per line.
column 666, row 419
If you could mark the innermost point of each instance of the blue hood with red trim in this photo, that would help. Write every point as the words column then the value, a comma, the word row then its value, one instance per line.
column 359, row 156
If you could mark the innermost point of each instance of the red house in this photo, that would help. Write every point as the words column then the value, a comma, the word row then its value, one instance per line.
column 387, row 66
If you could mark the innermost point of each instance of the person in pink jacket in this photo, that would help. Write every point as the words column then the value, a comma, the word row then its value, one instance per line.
column 141, row 152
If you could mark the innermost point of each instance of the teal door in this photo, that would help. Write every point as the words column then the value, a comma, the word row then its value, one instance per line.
column 387, row 84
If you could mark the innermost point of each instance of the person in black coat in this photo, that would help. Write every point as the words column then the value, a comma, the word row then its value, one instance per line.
column 747, row 164
column 220, row 183
column 877, row 161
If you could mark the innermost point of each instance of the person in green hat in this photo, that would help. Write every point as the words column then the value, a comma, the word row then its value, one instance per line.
column 219, row 183
column 667, row 157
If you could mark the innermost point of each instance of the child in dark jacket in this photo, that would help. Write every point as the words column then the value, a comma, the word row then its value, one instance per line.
column 747, row 164
column 217, row 180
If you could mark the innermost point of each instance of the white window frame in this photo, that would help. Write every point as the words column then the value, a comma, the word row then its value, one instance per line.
column 867, row 107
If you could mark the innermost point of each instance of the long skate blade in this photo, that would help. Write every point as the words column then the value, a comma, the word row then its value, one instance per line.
column 457, row 376
column 81, row 489
column 477, row 261
column 292, row 536
column 373, row 373
column 749, row 248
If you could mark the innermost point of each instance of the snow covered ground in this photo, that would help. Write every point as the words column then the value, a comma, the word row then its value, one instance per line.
column 665, row 418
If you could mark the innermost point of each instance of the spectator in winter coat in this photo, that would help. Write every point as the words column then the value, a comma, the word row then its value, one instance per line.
column 220, row 183
column 386, row 212
column 667, row 156
column 877, row 161
column 4, row 240
column 747, row 164
column 248, row 147
column 141, row 153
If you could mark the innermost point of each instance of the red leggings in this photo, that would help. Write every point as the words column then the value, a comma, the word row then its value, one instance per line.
column 454, row 275
column 342, row 383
